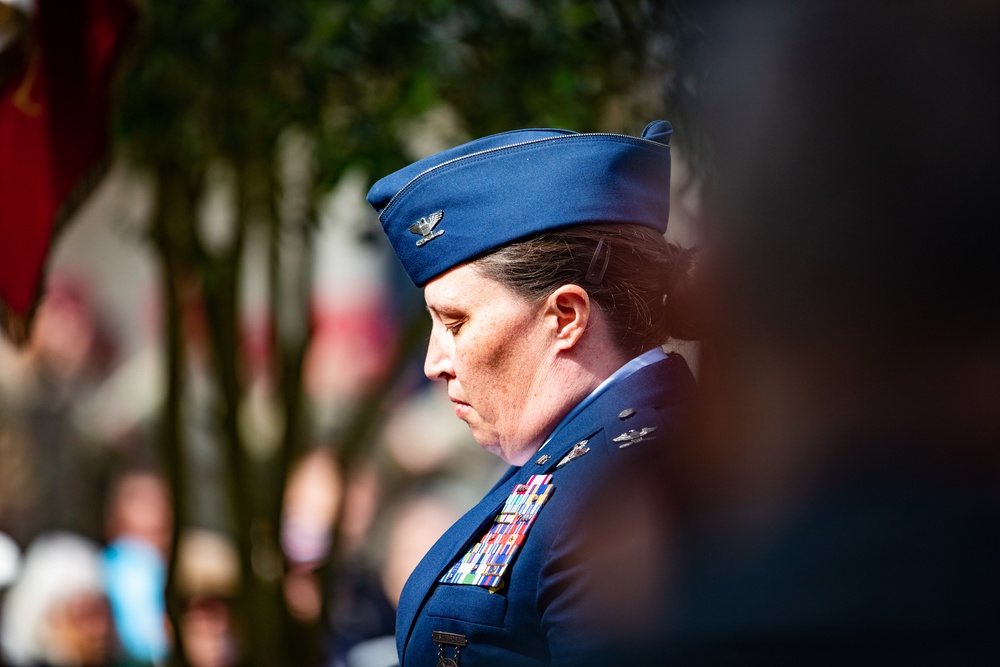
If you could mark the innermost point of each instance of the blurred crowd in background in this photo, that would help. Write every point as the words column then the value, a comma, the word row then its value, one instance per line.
column 85, row 511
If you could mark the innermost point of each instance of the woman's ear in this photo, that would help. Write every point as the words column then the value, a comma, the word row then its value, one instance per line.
column 568, row 308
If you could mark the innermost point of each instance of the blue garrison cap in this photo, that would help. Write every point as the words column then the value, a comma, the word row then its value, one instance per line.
column 454, row 206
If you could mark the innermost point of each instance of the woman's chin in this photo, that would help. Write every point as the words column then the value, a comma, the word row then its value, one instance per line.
column 488, row 441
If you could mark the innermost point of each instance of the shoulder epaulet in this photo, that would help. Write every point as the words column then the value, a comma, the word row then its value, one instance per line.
column 633, row 426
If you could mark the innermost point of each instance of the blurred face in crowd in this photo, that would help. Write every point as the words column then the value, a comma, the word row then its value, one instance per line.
column 81, row 630
column 493, row 350
column 63, row 333
column 207, row 629
column 141, row 509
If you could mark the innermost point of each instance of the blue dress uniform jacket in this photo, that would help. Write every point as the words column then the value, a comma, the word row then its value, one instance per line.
column 541, row 616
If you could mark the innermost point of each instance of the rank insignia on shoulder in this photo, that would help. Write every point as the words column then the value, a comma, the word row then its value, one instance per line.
column 425, row 228
column 579, row 449
column 626, row 413
column 633, row 436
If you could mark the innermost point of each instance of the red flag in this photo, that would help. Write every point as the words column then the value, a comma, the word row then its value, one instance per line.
column 54, row 120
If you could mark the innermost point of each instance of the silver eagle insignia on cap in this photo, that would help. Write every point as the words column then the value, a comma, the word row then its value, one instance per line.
column 425, row 226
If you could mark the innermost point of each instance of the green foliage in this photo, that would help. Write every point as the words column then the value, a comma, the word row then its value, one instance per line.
column 223, row 79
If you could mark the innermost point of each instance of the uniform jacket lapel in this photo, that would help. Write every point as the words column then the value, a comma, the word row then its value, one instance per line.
column 645, row 387
column 440, row 557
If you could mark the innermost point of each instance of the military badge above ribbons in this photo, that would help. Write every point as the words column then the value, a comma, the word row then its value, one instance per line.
column 488, row 559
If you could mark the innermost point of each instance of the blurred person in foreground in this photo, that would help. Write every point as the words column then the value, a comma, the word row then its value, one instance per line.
column 843, row 504
column 546, row 277
column 57, row 614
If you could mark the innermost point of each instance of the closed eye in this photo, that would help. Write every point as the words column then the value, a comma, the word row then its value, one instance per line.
column 451, row 319
column 454, row 327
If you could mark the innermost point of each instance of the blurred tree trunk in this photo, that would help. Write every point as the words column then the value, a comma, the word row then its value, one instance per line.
column 194, row 279
column 174, row 211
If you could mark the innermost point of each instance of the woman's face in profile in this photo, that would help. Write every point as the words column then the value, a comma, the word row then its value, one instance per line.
column 491, row 347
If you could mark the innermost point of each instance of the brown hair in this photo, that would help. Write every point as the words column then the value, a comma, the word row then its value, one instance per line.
column 644, row 292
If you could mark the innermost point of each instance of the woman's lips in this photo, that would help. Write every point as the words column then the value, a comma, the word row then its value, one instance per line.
column 462, row 408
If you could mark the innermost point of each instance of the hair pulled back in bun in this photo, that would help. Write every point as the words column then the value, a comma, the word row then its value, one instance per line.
column 645, row 290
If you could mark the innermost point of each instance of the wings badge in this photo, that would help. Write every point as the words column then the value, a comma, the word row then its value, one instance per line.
column 424, row 228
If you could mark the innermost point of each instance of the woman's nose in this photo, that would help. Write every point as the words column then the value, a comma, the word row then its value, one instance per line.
column 437, row 363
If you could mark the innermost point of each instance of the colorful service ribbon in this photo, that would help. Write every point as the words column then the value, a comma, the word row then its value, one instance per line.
column 488, row 559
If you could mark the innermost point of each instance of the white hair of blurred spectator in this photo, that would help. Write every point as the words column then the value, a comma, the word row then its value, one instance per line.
column 56, row 612
column 10, row 560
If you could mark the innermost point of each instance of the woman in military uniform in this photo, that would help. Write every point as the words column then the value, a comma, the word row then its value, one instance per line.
column 549, row 284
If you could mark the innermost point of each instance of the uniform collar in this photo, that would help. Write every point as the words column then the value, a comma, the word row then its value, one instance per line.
column 630, row 367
